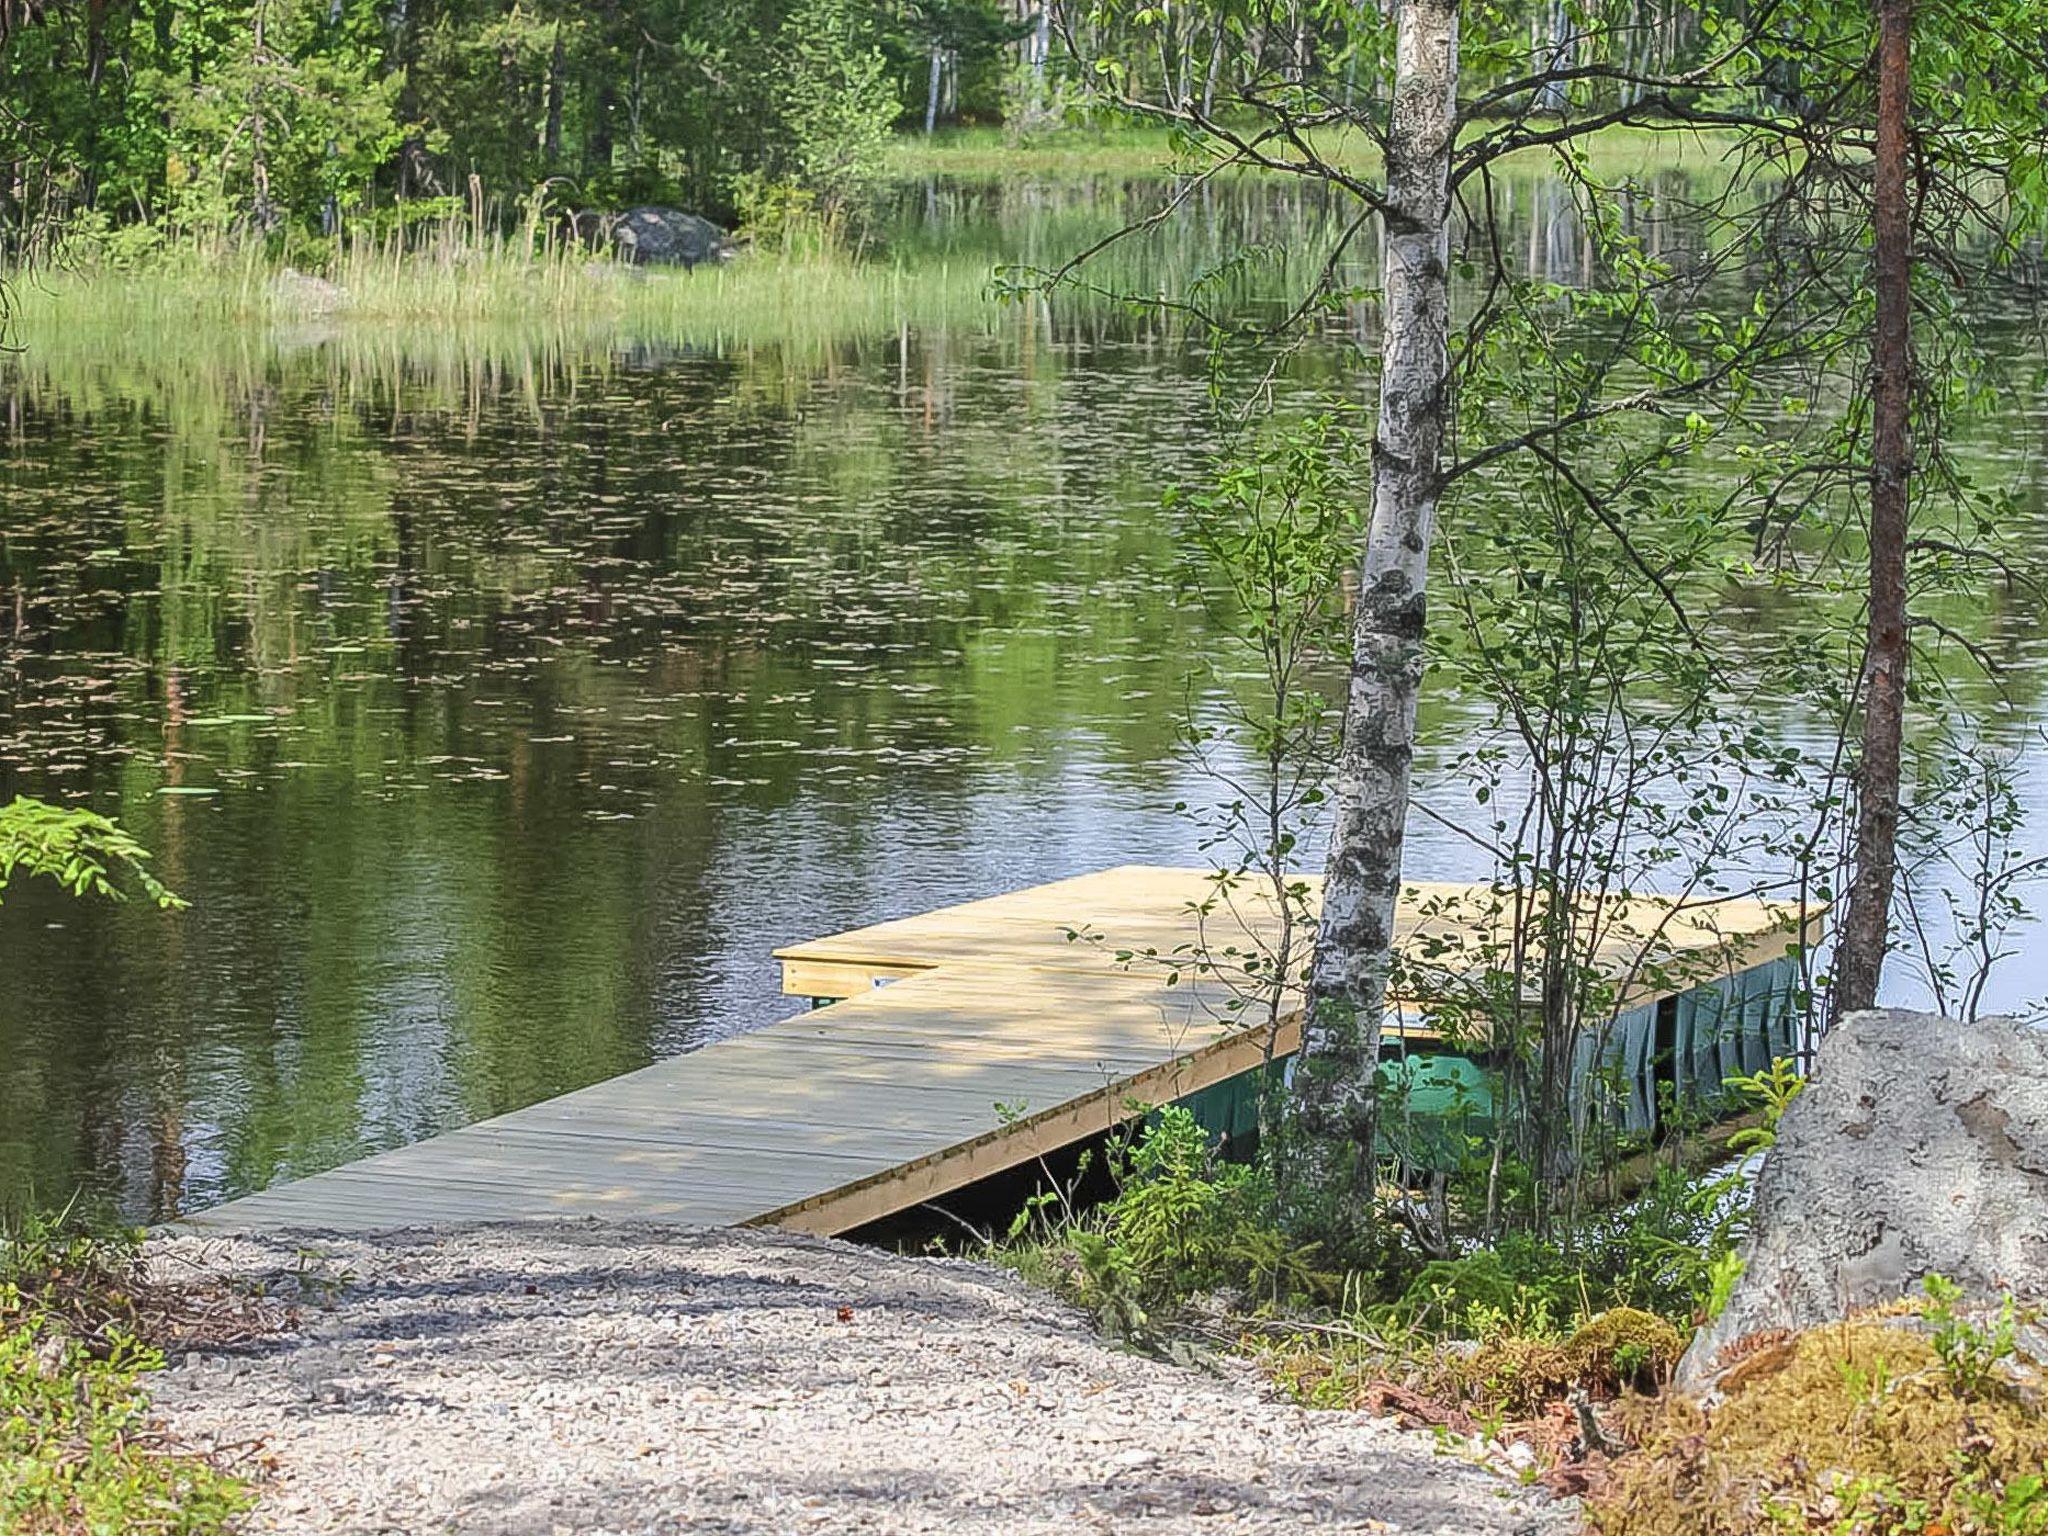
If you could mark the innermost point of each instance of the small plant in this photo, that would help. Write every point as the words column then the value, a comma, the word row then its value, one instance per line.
column 1625, row 1347
column 2019, row 1507
column 1970, row 1353
column 1724, row 1272
column 77, row 1451
column 1772, row 1090
column 1182, row 1224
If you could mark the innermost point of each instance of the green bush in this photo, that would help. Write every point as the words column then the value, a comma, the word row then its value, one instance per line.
column 1446, row 1293
column 1182, row 1224
column 78, row 1453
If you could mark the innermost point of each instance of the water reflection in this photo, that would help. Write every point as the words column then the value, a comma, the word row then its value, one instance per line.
column 501, row 700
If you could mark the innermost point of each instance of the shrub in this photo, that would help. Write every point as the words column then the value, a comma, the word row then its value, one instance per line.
column 1445, row 1293
column 1182, row 1224
column 78, row 1453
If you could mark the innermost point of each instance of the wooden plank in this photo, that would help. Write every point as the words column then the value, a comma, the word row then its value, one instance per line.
column 1148, row 906
column 894, row 1095
column 910, row 1184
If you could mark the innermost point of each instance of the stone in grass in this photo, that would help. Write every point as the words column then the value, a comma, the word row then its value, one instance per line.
column 668, row 237
column 1919, row 1147
column 307, row 294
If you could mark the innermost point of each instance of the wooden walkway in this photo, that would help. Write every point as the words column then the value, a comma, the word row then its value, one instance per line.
column 966, row 1041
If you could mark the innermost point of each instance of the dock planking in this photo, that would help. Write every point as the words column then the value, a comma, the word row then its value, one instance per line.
column 961, row 1042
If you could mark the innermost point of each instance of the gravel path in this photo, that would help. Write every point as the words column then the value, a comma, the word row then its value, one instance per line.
column 596, row 1379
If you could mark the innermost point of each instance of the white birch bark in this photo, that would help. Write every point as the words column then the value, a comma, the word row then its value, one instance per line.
column 1327, row 1164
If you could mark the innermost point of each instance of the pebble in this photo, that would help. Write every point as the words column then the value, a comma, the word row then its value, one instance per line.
column 617, row 1381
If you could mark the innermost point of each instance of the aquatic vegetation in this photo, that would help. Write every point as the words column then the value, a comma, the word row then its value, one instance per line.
column 368, row 284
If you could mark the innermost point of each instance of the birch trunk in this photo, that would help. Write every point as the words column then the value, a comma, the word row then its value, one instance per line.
column 1327, row 1164
column 1859, row 964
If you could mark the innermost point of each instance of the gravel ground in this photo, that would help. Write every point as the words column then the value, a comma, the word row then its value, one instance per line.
column 600, row 1379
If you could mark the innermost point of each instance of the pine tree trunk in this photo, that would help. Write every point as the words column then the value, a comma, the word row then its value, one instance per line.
column 1859, row 963
column 551, row 140
column 1327, row 1154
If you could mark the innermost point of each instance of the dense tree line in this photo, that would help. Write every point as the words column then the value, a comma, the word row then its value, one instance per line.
column 226, row 114
column 197, row 116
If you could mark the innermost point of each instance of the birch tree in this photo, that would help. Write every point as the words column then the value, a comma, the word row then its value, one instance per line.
column 1334, row 1095
column 1663, row 363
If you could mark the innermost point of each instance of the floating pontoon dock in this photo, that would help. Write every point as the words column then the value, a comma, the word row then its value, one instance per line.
column 957, row 1044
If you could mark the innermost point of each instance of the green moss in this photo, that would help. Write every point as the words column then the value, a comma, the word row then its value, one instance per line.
column 1625, row 1347
column 1855, row 1428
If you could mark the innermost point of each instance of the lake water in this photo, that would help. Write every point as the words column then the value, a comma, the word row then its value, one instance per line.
column 499, row 701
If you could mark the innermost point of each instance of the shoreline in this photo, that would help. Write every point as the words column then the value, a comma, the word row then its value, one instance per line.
column 453, row 279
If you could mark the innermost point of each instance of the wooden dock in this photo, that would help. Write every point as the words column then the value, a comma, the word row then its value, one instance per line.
column 961, row 1042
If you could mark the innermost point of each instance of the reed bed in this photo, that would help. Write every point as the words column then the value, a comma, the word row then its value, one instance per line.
column 760, row 298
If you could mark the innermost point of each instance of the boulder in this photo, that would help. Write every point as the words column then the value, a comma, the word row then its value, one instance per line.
column 1920, row 1146
column 305, row 294
column 668, row 237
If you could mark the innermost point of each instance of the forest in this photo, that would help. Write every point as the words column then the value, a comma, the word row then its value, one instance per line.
column 136, row 122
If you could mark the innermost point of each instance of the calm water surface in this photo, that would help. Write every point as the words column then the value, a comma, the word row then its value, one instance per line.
column 500, row 703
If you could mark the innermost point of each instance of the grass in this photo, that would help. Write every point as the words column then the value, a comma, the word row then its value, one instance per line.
column 993, row 152
column 1136, row 150
column 108, row 291
column 762, row 299
column 79, row 1454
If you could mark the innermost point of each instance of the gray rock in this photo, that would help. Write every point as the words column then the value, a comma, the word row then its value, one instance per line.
column 668, row 237
column 1919, row 1147
column 305, row 294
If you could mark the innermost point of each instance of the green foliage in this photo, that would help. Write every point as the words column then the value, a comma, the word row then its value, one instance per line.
column 86, row 853
column 1645, row 432
column 289, row 119
column 1663, row 1253
column 1772, row 1091
column 78, row 1456
column 1446, row 1294
column 968, row 40
column 1724, row 1271
column 1970, row 1352
column 832, row 104
column 1182, row 1224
